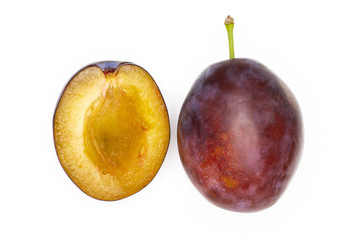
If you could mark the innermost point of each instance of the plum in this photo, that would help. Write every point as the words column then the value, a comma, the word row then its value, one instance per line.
column 111, row 129
column 240, row 134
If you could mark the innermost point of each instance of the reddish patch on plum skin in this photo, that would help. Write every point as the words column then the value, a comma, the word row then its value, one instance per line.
column 240, row 135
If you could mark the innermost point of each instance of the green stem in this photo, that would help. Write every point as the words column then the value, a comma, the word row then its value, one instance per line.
column 229, row 24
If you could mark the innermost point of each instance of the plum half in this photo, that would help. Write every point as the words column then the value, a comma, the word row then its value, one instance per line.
column 240, row 134
column 111, row 129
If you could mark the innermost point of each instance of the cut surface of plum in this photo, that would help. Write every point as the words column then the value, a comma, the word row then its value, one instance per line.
column 111, row 129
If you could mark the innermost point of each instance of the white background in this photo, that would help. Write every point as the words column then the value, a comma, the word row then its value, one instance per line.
column 312, row 45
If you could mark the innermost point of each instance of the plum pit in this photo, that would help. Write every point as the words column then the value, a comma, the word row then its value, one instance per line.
column 115, row 131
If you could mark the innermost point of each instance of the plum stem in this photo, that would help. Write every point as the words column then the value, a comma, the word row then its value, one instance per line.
column 229, row 24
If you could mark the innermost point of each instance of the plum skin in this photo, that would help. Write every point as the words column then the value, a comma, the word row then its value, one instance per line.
column 240, row 135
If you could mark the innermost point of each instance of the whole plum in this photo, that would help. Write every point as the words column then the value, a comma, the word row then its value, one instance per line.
column 240, row 135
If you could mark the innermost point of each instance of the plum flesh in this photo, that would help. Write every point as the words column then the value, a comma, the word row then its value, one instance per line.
column 240, row 135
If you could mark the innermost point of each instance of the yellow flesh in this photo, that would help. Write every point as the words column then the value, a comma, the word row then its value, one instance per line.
column 111, row 132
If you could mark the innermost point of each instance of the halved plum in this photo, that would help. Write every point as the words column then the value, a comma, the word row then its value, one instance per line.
column 111, row 129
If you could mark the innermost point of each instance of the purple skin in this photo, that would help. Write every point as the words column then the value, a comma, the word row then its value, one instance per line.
column 109, row 66
column 240, row 135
